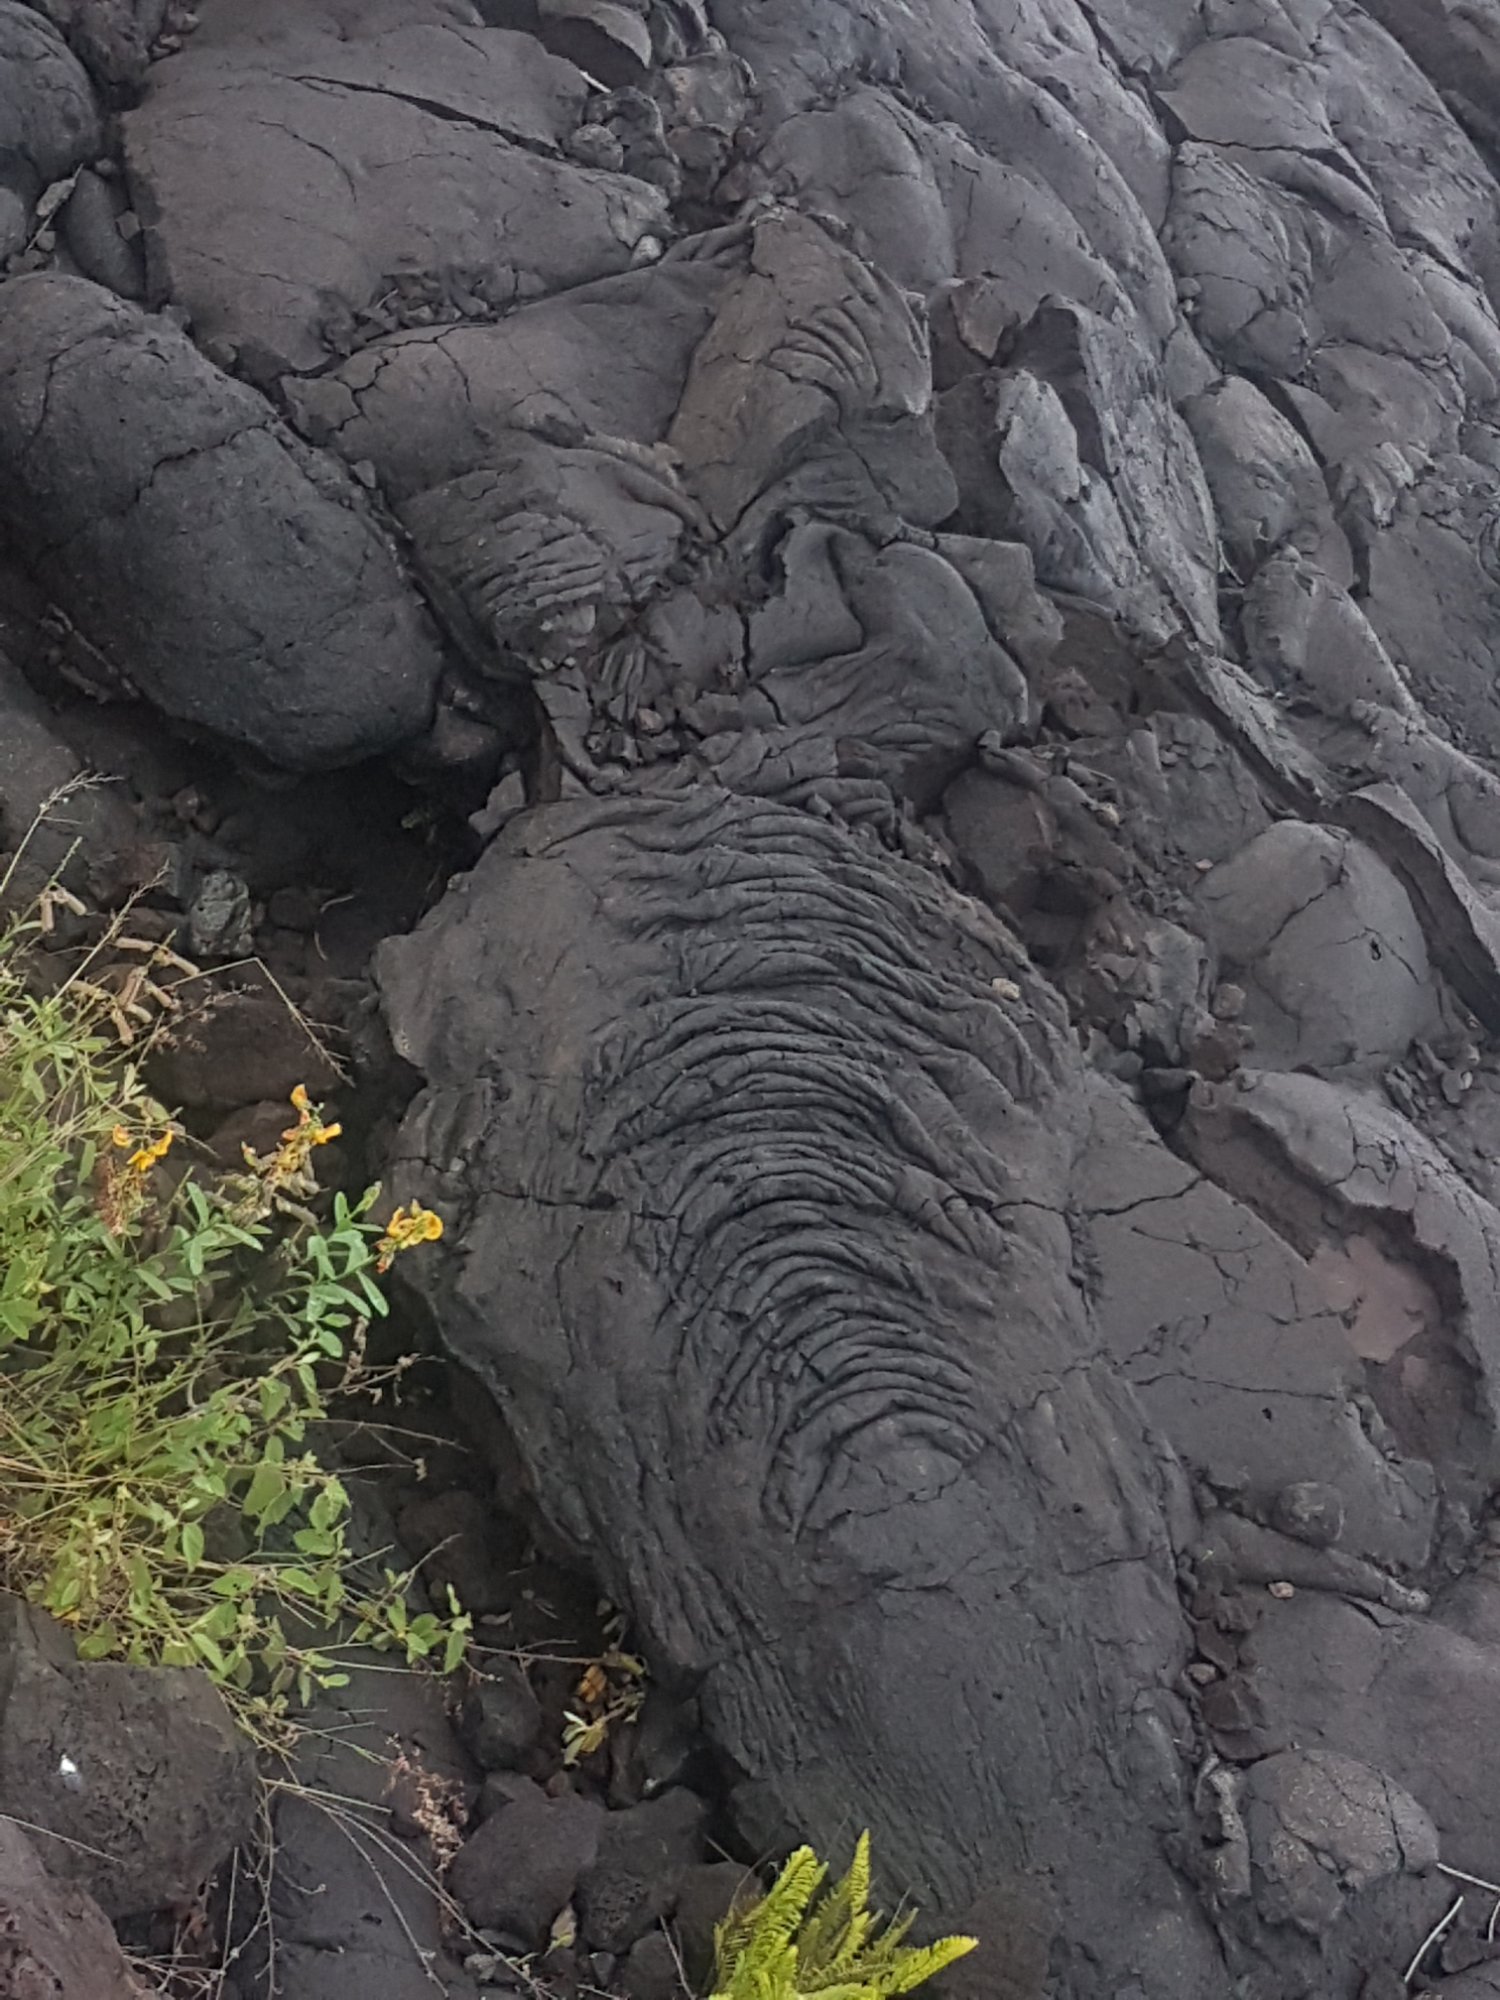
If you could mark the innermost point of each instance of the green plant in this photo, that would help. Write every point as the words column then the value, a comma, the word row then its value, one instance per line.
column 785, row 1946
column 165, row 1343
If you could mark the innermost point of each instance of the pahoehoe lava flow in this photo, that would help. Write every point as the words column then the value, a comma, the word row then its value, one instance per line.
column 853, row 646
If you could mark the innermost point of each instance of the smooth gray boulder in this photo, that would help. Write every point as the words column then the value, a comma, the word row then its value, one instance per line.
column 49, row 118
column 1327, row 945
column 225, row 569
column 358, row 156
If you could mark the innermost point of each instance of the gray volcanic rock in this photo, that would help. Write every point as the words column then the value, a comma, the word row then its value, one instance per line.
column 53, row 824
column 1327, row 945
column 112, row 38
column 961, row 1084
column 426, row 407
column 361, row 155
column 1400, row 1245
column 351, row 1913
column 92, row 224
column 1375, row 1691
column 759, row 1077
column 1322, row 1828
column 645, row 1854
column 1239, row 1347
column 49, row 120
column 138, row 1774
column 531, row 548
column 517, row 1872
column 55, row 1941
column 1163, row 519
column 227, row 570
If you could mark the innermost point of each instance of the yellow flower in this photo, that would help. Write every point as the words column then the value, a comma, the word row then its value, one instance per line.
column 121, row 1137
column 406, row 1229
column 146, row 1157
column 288, row 1165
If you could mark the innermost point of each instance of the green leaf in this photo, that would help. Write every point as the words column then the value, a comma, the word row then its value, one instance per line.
column 208, row 1650
column 278, row 1510
column 142, row 1585
column 157, row 1369
column 274, row 1397
column 220, row 1622
column 266, row 1487
column 329, row 1506
column 315, row 1542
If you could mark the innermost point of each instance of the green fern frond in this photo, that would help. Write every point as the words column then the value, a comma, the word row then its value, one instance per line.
column 920, row 1963
column 779, row 1918
column 853, row 1945
column 732, row 1935
column 757, row 1959
column 835, row 1931
column 784, row 1949
column 894, row 1936
column 880, row 1954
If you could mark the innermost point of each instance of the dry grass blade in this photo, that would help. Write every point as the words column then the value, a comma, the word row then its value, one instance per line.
column 317, row 1041
column 1439, row 1930
column 47, row 1833
column 346, row 1813
column 59, row 795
